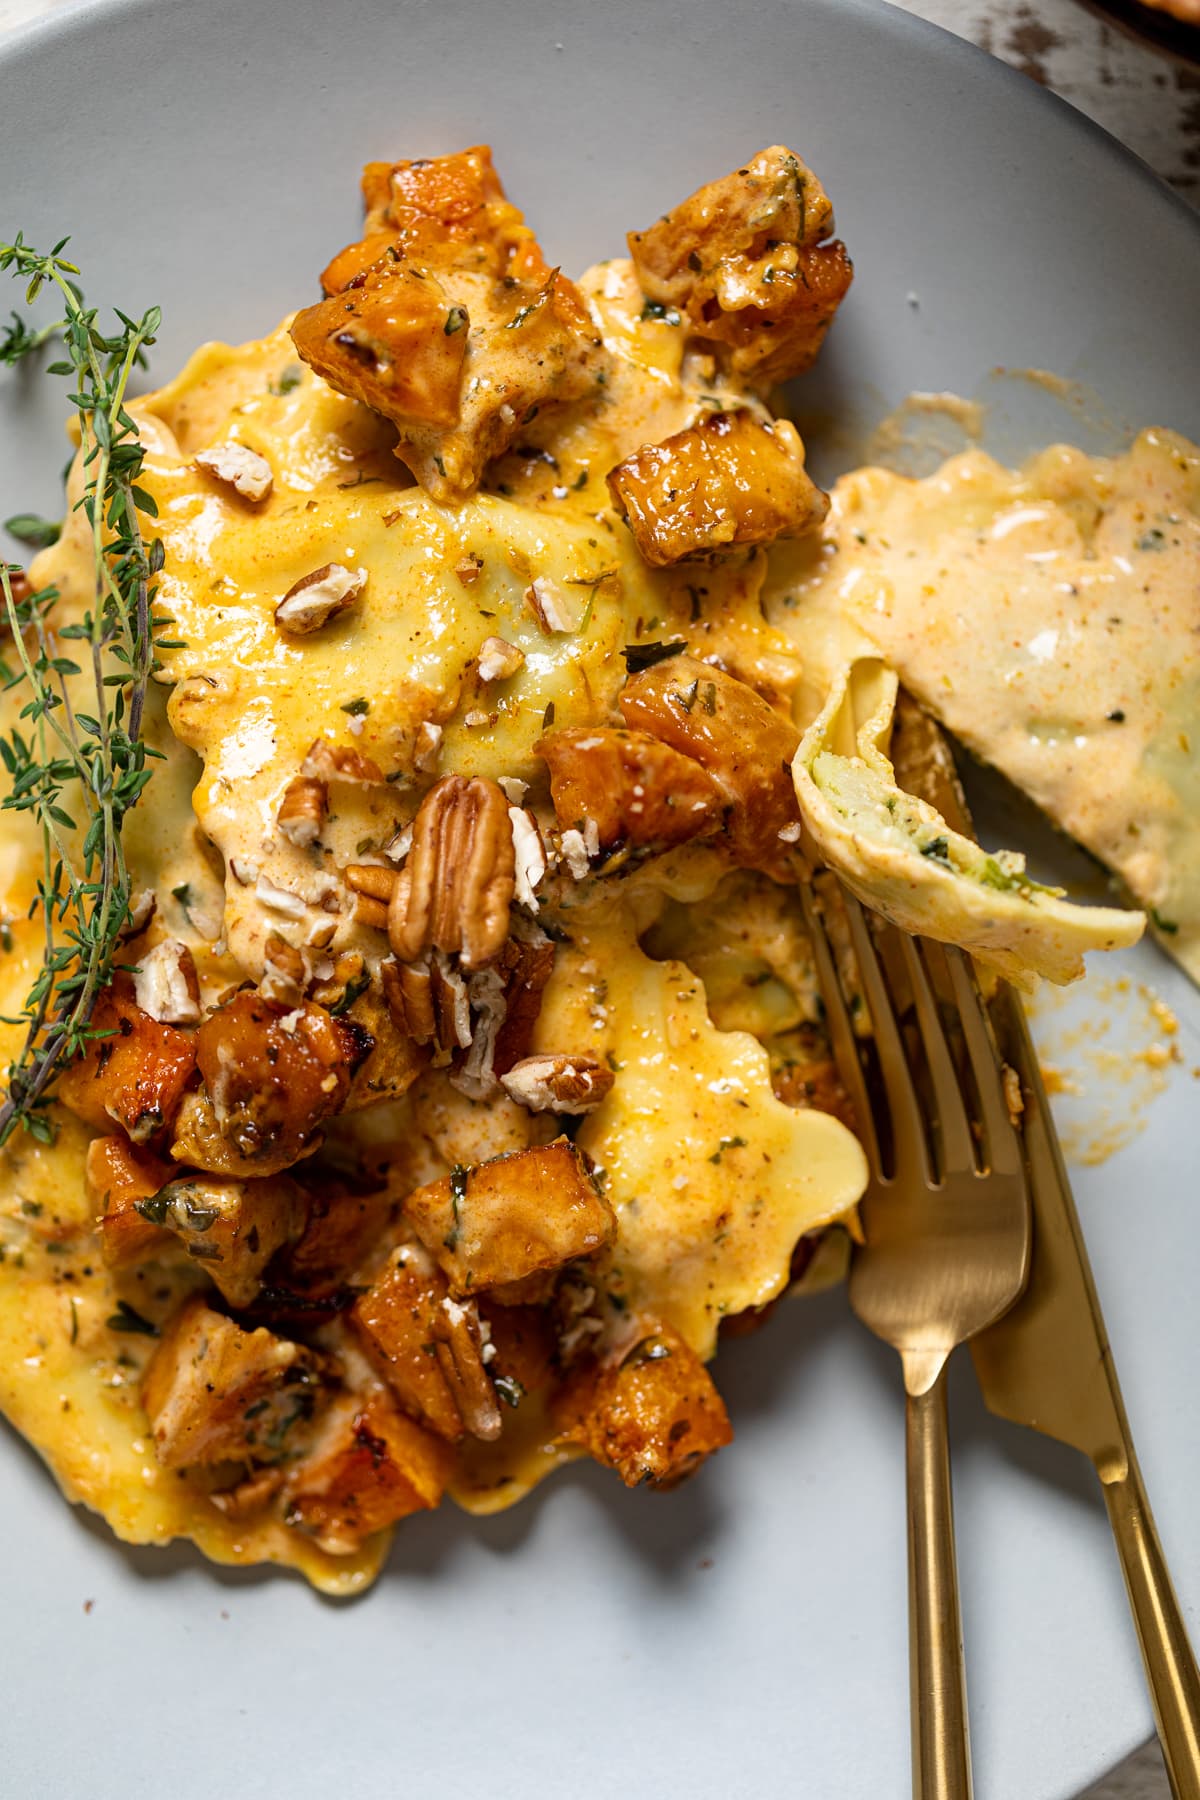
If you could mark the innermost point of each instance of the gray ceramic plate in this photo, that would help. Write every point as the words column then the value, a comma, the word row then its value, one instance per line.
column 746, row 1635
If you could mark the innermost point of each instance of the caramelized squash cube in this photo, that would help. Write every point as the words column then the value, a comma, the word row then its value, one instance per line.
column 635, row 789
column 271, row 1075
column 745, row 745
column 732, row 480
column 117, row 1176
column 232, row 1228
column 519, row 1215
column 215, row 1393
column 750, row 262
column 396, row 1321
column 371, row 1467
column 135, row 1074
column 654, row 1416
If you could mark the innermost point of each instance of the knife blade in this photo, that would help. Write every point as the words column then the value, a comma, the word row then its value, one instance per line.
column 1048, row 1364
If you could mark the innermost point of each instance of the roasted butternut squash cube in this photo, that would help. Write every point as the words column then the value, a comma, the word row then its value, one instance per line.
column 396, row 1321
column 744, row 743
column 232, row 1228
column 447, row 319
column 341, row 1227
column 394, row 1062
column 734, row 479
column 388, row 343
column 117, row 1176
column 511, row 1218
column 524, row 1349
column 486, row 355
column 372, row 1466
column 454, row 207
column 750, row 262
column 271, row 1075
column 653, row 1416
column 215, row 1393
column 135, row 1075
column 635, row 789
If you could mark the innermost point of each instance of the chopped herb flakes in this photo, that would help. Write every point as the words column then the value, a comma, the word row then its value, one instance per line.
column 127, row 1318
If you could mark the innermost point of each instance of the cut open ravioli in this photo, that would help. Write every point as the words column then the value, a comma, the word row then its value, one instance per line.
column 900, row 857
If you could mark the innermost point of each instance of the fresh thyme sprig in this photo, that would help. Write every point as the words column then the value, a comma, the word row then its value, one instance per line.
column 78, row 772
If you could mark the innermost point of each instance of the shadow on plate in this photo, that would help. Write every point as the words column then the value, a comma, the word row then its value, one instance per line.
column 665, row 1533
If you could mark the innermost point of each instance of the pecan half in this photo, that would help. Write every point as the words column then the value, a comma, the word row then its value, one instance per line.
column 557, row 1084
column 454, row 892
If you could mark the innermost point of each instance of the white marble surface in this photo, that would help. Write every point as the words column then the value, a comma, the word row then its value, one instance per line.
column 1145, row 97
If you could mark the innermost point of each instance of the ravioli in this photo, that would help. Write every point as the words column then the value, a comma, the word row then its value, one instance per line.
column 902, row 859
column 1049, row 618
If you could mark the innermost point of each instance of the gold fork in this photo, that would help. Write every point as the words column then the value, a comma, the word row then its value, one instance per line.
column 947, row 1226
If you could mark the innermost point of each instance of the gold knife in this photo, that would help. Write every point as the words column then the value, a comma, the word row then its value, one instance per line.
column 1047, row 1364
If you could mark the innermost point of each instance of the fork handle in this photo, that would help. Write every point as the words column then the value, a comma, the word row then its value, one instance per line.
column 1170, row 1665
column 941, row 1752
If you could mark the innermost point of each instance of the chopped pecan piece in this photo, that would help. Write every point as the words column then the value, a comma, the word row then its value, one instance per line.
column 498, row 659
column 731, row 480
column 750, row 263
column 238, row 467
column 316, row 598
column 653, row 1415
column 557, row 1084
column 301, row 815
column 216, row 1393
column 454, row 891
column 636, row 789
column 732, row 732
column 232, row 1228
column 338, row 762
column 165, row 984
column 371, row 1467
column 516, row 1216
column 116, row 1177
column 270, row 1077
column 459, row 1344
column 526, row 964
column 135, row 1075
column 284, row 972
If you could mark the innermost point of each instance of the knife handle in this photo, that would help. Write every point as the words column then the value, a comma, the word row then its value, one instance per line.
column 1170, row 1665
column 941, row 1754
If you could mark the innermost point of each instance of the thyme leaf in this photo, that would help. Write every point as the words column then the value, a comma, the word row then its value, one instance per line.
column 78, row 774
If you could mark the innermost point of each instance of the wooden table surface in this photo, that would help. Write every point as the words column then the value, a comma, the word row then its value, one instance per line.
column 1142, row 94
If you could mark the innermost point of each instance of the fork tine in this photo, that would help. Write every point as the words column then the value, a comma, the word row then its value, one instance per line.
column 1003, row 1145
column 956, row 1144
column 908, row 1132
column 841, row 1029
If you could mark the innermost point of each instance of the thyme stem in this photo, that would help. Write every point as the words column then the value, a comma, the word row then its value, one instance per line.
column 94, row 765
